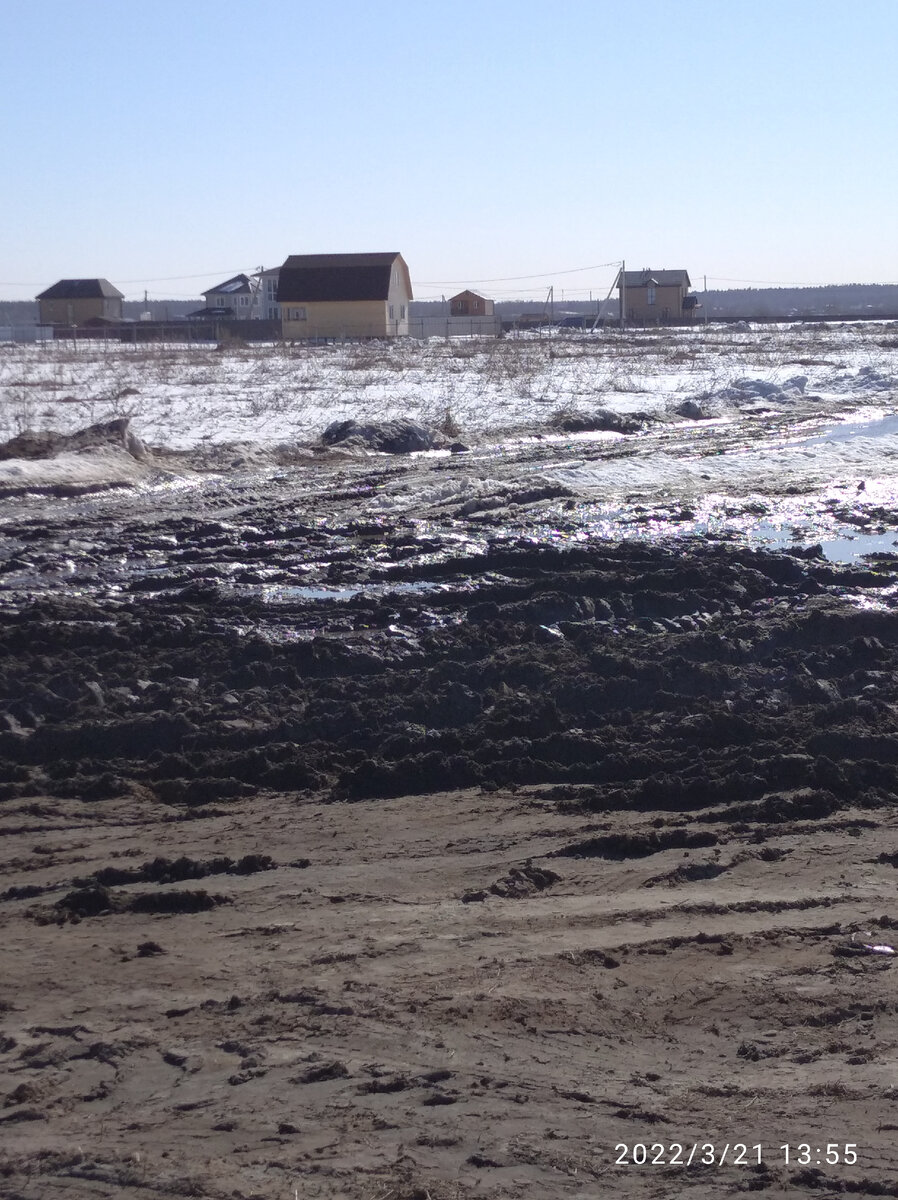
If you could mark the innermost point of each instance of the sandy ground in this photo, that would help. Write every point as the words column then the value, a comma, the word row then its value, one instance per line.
column 355, row 1028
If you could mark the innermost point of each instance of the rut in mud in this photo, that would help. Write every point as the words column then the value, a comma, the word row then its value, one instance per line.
column 637, row 677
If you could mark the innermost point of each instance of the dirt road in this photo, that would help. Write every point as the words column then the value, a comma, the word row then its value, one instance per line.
column 472, row 884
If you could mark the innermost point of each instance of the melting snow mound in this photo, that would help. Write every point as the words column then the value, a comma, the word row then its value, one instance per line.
column 103, row 456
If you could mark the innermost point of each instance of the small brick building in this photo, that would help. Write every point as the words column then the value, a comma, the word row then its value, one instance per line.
column 470, row 304
column 656, row 297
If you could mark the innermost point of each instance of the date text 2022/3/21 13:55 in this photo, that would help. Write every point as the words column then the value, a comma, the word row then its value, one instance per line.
column 673, row 1154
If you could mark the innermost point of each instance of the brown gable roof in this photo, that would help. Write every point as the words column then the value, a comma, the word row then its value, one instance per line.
column 659, row 278
column 307, row 278
column 467, row 292
column 81, row 289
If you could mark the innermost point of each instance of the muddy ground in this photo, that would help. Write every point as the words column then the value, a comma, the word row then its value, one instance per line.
column 354, row 856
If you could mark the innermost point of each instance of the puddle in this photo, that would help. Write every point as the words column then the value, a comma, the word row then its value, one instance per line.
column 842, row 546
column 849, row 430
column 857, row 545
column 293, row 593
column 838, row 543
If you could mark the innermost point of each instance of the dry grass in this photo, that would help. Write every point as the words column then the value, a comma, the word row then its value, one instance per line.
column 181, row 393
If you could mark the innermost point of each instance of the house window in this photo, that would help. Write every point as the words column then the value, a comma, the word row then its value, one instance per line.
column 244, row 300
column 650, row 294
column 296, row 314
column 402, row 312
column 392, row 312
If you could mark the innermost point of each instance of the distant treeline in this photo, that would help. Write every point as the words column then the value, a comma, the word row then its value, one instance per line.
column 736, row 304
column 848, row 299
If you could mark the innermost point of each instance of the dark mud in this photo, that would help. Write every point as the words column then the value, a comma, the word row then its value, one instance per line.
column 762, row 685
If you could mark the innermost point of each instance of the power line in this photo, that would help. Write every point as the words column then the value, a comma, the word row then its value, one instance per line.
column 765, row 282
column 419, row 282
column 156, row 279
column 513, row 278
column 790, row 282
column 173, row 278
column 519, row 294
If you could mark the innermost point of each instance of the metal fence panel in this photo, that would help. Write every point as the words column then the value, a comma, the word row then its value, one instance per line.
column 444, row 326
column 26, row 333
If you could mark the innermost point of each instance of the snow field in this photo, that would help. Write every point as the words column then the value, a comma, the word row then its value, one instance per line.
column 180, row 397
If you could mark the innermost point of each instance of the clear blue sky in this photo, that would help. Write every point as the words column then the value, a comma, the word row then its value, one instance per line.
column 166, row 144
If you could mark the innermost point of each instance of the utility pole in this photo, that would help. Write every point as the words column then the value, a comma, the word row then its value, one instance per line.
column 255, row 286
column 623, row 293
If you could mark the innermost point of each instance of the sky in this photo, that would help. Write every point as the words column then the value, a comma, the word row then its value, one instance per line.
column 506, row 145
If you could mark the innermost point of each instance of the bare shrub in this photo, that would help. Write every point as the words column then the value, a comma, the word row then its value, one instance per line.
column 228, row 343
column 448, row 425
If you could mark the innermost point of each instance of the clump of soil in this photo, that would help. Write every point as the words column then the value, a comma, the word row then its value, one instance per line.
column 46, row 443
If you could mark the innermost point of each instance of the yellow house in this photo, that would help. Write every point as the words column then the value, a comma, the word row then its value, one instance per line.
column 656, row 297
column 77, row 301
column 344, row 296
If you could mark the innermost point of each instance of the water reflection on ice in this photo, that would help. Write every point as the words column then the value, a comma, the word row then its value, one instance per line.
column 291, row 593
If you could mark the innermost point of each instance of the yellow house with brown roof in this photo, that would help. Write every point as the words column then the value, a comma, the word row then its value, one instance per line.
column 323, row 296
